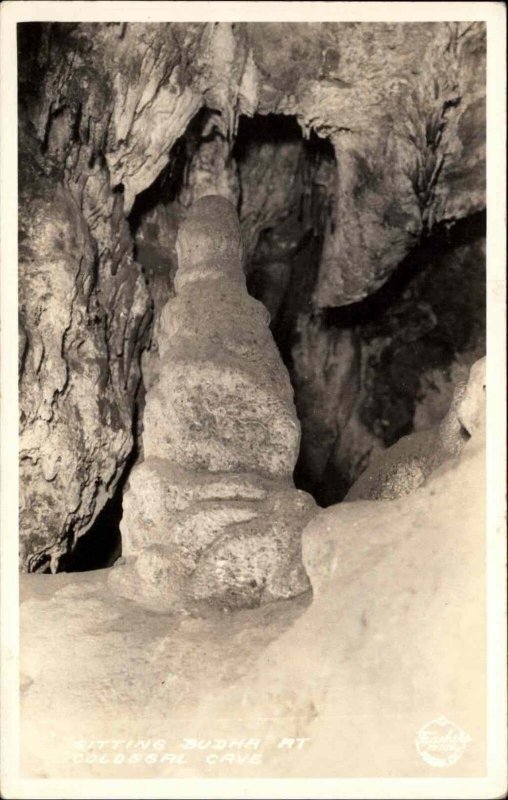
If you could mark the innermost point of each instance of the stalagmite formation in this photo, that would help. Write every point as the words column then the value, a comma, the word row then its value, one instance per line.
column 211, row 513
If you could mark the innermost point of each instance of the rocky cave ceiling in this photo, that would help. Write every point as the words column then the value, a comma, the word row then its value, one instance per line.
column 355, row 154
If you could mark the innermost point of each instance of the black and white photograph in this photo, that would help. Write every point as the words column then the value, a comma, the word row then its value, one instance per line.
column 253, row 399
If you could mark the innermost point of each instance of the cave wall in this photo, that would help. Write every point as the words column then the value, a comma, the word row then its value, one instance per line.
column 123, row 125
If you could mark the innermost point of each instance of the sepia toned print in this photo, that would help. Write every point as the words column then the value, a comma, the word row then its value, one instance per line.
column 253, row 383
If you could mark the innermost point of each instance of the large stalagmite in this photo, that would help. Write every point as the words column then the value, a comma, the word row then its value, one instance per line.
column 211, row 514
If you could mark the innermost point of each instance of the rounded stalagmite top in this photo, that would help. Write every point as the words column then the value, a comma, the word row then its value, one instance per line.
column 209, row 241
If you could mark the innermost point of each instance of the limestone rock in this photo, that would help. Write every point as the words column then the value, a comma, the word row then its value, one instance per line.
column 471, row 405
column 79, row 366
column 211, row 514
column 407, row 464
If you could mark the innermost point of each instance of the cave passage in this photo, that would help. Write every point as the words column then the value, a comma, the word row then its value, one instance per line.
column 101, row 545
column 282, row 267
column 418, row 321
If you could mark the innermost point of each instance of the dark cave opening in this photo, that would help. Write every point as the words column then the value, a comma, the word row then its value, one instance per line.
column 101, row 546
column 436, row 245
column 282, row 267
column 263, row 128
column 169, row 183
column 415, row 338
column 427, row 316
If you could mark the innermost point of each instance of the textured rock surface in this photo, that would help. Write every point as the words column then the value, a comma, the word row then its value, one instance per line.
column 82, row 325
column 367, row 375
column 211, row 513
column 405, row 466
column 390, row 98
column 393, row 117
column 394, row 637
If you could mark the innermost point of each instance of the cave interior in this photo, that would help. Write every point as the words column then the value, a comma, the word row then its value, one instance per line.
column 409, row 335
column 365, row 372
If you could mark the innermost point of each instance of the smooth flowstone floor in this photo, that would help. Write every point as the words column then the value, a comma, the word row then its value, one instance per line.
column 381, row 672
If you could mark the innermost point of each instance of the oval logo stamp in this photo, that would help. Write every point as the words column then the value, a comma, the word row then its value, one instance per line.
column 441, row 743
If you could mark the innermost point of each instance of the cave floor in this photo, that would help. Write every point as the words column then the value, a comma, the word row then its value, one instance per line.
column 334, row 686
